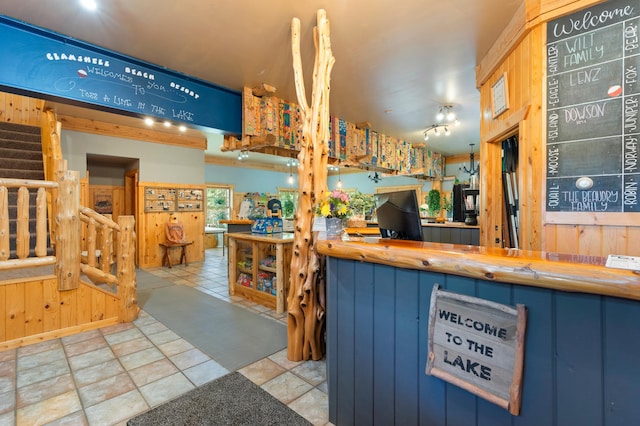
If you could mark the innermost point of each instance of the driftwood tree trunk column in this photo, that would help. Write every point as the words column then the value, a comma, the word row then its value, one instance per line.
column 306, row 298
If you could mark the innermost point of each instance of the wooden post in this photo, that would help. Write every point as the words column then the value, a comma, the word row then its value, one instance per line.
column 126, row 269
column 4, row 223
column 68, row 232
column 41, row 223
column 306, row 298
column 22, row 226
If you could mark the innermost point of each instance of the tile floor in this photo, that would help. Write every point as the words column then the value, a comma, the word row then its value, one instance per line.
column 106, row 376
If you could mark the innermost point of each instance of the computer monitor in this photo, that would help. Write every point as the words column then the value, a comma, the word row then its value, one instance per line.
column 399, row 215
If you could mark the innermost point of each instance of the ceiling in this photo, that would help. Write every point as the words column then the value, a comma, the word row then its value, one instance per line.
column 395, row 62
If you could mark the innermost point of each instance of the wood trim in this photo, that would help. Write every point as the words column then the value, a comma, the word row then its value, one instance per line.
column 246, row 164
column 56, row 334
column 527, row 16
column 573, row 273
column 509, row 39
column 591, row 218
column 503, row 128
column 546, row 10
column 190, row 139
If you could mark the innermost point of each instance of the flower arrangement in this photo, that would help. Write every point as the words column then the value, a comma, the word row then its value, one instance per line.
column 334, row 204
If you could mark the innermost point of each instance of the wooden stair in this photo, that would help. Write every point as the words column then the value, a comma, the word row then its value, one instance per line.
column 21, row 158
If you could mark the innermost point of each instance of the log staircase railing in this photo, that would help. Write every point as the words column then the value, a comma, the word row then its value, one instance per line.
column 69, row 219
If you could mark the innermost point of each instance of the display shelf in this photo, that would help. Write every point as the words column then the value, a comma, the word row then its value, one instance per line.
column 173, row 199
column 259, row 267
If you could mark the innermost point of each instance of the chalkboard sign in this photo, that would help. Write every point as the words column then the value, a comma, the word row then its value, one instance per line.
column 593, row 95
column 51, row 66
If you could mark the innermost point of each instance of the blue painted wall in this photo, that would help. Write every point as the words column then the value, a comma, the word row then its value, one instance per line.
column 580, row 366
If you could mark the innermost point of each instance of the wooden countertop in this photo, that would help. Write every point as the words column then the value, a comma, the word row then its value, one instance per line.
column 574, row 273
column 237, row 221
column 282, row 237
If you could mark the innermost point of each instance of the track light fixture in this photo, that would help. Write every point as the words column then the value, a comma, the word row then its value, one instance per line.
column 444, row 112
column 242, row 155
column 437, row 129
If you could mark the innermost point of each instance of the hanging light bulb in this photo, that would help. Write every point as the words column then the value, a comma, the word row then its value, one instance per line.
column 290, row 179
column 450, row 115
column 446, row 131
column 339, row 183
column 426, row 136
column 436, row 132
column 440, row 115
column 456, row 122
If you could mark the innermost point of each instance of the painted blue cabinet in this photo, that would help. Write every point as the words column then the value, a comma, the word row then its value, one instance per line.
column 581, row 357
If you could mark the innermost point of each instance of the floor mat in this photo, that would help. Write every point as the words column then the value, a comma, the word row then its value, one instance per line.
column 230, row 335
column 230, row 400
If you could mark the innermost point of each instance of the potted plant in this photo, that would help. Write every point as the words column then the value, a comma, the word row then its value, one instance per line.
column 447, row 205
column 434, row 202
column 334, row 206
column 362, row 204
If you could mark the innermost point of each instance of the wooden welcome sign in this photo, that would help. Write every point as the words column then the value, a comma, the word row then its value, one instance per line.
column 478, row 345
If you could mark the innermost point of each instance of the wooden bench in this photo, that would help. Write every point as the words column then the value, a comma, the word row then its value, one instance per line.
column 166, row 259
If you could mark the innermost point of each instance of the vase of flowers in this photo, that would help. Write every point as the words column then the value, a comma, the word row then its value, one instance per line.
column 334, row 206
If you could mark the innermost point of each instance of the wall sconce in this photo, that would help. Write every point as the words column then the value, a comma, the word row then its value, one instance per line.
column 472, row 170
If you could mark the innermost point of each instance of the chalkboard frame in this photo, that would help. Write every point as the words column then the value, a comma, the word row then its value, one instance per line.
column 559, row 217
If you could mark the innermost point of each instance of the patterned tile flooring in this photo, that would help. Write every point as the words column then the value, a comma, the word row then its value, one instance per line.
column 106, row 376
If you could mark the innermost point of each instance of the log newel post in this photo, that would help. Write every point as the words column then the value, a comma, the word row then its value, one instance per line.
column 68, row 231
column 306, row 298
column 126, row 269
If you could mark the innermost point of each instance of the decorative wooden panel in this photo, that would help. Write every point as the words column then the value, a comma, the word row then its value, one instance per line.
column 579, row 352
column 20, row 109
column 34, row 310
column 524, row 64
column 151, row 228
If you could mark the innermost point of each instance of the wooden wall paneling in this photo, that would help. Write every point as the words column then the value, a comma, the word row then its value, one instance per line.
column 151, row 229
column 633, row 237
column 537, row 154
column 111, row 306
column 68, row 308
column 98, row 306
column 590, row 239
column 51, row 305
column 190, row 139
column 15, row 310
column 34, row 307
column 4, row 303
column 20, row 109
column 84, row 303
column 566, row 238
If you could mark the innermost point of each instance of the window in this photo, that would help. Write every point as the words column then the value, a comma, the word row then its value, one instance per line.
column 218, row 204
column 289, row 200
